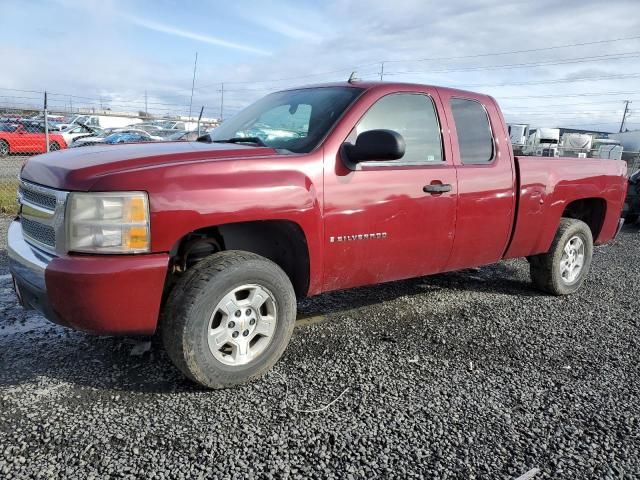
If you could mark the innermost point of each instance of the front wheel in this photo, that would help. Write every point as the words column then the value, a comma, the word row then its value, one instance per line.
column 229, row 319
column 563, row 269
column 4, row 148
column 54, row 146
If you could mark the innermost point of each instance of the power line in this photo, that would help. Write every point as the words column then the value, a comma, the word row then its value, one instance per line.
column 568, row 112
column 596, row 58
column 511, row 52
column 67, row 95
column 297, row 77
column 565, row 80
column 570, row 95
column 568, row 104
column 488, row 54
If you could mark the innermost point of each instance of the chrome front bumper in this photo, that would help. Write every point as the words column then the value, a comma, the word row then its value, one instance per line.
column 27, row 265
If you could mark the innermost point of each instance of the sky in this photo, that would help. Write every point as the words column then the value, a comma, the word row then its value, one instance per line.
column 548, row 62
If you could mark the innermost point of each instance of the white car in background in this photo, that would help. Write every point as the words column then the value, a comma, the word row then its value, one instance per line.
column 109, row 137
column 104, row 121
column 73, row 132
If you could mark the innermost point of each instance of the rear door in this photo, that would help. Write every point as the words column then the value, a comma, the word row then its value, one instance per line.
column 380, row 224
column 486, row 180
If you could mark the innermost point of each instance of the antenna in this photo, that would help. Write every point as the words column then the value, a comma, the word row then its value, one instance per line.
column 353, row 77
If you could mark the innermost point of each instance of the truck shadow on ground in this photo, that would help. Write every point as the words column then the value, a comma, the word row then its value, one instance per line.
column 505, row 278
column 39, row 352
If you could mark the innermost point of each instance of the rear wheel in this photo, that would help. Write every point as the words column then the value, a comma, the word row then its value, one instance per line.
column 229, row 319
column 563, row 269
column 4, row 148
column 53, row 146
column 631, row 218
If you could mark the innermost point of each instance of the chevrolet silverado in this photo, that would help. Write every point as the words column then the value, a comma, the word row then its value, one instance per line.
column 307, row 190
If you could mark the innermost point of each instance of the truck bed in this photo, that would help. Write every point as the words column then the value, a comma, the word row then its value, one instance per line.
column 550, row 187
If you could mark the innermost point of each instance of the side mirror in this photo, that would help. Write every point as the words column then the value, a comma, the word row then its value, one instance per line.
column 380, row 145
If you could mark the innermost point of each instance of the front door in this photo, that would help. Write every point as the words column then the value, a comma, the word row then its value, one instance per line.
column 384, row 220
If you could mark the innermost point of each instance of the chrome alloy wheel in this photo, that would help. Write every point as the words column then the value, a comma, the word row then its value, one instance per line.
column 242, row 325
column 572, row 260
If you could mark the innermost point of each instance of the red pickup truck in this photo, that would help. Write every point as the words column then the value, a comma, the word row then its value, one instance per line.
column 305, row 191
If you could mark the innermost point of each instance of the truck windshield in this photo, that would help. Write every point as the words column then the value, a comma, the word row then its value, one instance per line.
column 293, row 120
column 80, row 119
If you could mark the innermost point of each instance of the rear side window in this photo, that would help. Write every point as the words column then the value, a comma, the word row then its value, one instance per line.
column 474, row 133
column 413, row 116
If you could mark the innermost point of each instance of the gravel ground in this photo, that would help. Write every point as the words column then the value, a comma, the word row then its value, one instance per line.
column 462, row 375
column 4, row 268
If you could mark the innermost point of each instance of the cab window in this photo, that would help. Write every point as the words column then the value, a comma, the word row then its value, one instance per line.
column 414, row 117
column 475, row 140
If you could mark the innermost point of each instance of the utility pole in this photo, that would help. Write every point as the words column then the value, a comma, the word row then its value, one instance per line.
column 146, row 111
column 193, row 84
column 381, row 71
column 46, row 124
column 200, row 119
column 624, row 115
column 221, row 101
column 70, row 104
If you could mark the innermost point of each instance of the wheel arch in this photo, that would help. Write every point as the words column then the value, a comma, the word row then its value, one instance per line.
column 282, row 241
column 591, row 210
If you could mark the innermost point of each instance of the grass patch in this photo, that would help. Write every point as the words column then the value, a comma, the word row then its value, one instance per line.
column 8, row 202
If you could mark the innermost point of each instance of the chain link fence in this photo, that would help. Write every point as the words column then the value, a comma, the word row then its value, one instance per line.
column 25, row 132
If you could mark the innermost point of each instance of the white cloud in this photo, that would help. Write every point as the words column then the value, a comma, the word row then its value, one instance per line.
column 199, row 37
column 287, row 30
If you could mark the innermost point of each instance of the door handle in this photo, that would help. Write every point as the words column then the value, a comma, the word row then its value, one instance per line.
column 437, row 188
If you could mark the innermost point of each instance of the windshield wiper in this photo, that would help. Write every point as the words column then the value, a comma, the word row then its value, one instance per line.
column 256, row 140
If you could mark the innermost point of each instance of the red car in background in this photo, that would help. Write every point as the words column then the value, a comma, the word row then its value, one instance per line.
column 27, row 137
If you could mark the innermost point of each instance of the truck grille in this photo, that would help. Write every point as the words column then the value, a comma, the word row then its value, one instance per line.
column 40, row 233
column 42, row 215
column 38, row 198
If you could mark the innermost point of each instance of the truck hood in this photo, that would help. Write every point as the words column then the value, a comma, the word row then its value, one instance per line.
column 79, row 168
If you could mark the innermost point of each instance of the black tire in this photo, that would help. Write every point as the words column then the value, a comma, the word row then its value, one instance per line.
column 187, row 316
column 546, row 269
column 4, row 148
column 631, row 218
column 54, row 146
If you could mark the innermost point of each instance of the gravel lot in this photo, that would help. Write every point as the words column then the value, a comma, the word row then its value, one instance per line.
column 461, row 375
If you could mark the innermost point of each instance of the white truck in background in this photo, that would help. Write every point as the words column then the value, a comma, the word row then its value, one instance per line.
column 607, row 148
column 543, row 142
column 518, row 133
column 104, row 121
column 575, row 145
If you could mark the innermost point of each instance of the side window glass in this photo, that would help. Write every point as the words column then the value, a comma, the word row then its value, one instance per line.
column 474, row 132
column 411, row 115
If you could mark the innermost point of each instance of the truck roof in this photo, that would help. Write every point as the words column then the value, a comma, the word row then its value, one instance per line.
column 391, row 86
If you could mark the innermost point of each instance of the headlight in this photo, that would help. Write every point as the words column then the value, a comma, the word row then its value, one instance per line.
column 110, row 222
